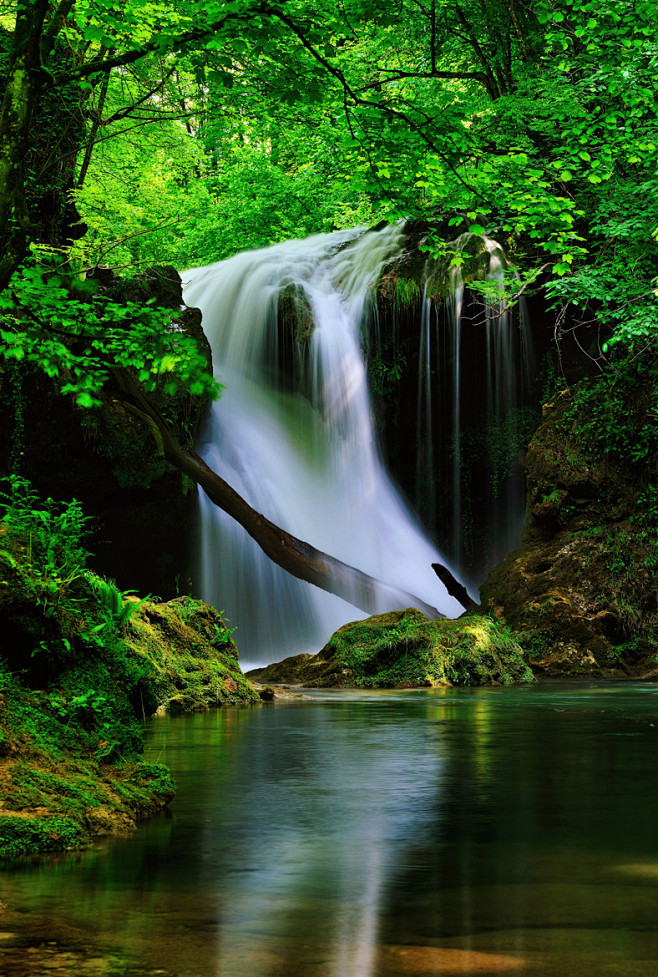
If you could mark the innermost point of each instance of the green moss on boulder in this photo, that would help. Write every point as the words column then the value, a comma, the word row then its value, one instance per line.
column 192, row 657
column 403, row 649
column 81, row 668
column 60, row 783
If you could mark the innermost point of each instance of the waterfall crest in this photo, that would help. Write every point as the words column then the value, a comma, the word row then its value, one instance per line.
column 309, row 462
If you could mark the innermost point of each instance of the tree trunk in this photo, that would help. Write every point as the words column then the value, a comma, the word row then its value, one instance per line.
column 25, row 77
column 294, row 555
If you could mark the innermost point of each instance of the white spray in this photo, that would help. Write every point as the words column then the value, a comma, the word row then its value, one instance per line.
column 309, row 463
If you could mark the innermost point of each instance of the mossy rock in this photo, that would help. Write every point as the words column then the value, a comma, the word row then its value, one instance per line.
column 581, row 590
column 56, row 789
column 412, row 274
column 294, row 313
column 403, row 649
column 192, row 654
column 80, row 673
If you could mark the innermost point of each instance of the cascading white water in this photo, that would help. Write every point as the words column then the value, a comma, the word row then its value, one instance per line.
column 475, row 367
column 309, row 463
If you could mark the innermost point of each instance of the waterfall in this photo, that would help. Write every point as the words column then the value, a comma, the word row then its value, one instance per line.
column 465, row 396
column 304, row 455
column 476, row 373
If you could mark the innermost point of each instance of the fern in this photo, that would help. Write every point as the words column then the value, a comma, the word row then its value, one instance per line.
column 114, row 602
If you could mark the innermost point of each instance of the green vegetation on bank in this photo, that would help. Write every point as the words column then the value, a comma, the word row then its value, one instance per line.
column 59, row 782
column 615, row 416
column 83, row 665
column 403, row 649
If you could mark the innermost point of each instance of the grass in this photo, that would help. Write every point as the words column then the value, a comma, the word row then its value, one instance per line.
column 83, row 666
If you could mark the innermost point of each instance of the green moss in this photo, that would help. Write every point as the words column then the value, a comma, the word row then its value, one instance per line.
column 55, row 790
column 25, row 836
column 393, row 650
column 407, row 293
column 84, row 665
column 581, row 591
column 615, row 415
column 403, row 649
column 193, row 658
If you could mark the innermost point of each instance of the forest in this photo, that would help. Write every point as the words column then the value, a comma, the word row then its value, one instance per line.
column 298, row 301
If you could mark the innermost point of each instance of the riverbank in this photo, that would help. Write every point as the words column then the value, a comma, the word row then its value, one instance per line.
column 83, row 666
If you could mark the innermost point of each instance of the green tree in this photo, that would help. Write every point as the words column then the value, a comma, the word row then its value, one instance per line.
column 531, row 120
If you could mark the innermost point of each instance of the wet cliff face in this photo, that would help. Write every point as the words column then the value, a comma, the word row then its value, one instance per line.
column 455, row 384
column 144, row 512
column 582, row 589
column 456, row 387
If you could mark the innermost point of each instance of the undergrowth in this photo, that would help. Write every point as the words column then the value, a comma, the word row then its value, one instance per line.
column 84, row 665
column 616, row 416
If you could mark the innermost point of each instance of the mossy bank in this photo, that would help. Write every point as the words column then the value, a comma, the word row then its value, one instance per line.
column 403, row 649
column 82, row 667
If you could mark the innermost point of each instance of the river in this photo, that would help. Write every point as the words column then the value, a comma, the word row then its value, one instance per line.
column 440, row 832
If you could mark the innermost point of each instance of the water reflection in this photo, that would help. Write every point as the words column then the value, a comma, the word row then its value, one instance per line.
column 474, row 832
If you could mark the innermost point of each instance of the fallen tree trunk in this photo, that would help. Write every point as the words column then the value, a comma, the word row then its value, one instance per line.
column 454, row 587
column 294, row 555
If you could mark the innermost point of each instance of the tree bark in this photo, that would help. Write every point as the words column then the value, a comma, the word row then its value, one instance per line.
column 453, row 586
column 292, row 554
column 24, row 80
column 91, row 138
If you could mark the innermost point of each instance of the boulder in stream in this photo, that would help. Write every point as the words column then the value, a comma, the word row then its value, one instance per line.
column 404, row 650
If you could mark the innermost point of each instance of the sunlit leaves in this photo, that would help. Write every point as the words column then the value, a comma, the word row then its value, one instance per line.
column 83, row 340
column 353, row 111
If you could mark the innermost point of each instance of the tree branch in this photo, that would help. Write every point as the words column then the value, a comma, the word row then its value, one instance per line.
column 492, row 87
column 380, row 106
column 292, row 554
column 140, row 101
column 89, row 148
column 130, row 57
column 454, row 587
column 433, row 36
column 397, row 74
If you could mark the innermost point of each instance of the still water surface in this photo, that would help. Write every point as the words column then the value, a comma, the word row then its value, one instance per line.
column 447, row 832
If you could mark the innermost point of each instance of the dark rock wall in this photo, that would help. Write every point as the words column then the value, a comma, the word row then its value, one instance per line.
column 582, row 590
column 476, row 518
column 462, row 472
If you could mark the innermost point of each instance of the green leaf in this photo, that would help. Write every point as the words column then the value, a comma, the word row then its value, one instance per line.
column 84, row 399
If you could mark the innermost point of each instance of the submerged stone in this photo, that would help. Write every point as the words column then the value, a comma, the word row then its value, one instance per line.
column 403, row 649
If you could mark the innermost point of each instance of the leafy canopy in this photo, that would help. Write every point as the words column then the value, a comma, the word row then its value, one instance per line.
column 211, row 127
